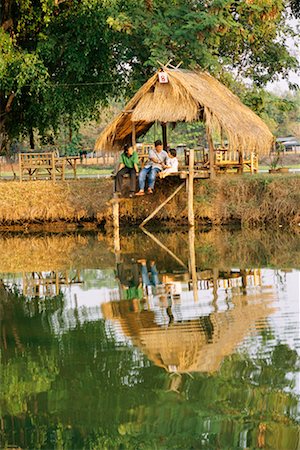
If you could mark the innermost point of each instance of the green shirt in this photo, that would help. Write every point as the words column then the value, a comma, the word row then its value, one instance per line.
column 129, row 161
column 131, row 293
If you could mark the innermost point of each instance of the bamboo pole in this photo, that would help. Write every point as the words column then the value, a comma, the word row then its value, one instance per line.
column 162, row 205
column 191, row 218
column 157, row 241
column 211, row 155
column 192, row 263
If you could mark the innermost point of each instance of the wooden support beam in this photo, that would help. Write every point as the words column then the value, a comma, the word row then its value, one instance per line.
column 162, row 205
column 215, row 288
column 116, row 225
column 133, row 136
column 191, row 218
column 53, row 167
column 20, row 167
column 241, row 161
column 192, row 263
column 211, row 154
column 164, row 135
column 157, row 241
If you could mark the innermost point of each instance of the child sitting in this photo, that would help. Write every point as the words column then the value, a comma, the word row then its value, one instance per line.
column 171, row 164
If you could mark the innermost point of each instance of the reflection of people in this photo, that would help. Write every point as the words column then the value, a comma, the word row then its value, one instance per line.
column 131, row 286
column 171, row 164
column 156, row 163
column 128, row 164
column 154, row 281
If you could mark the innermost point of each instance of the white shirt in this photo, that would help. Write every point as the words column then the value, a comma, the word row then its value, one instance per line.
column 173, row 164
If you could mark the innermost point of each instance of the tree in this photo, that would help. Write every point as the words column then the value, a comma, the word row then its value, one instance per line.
column 247, row 37
column 56, row 65
column 61, row 60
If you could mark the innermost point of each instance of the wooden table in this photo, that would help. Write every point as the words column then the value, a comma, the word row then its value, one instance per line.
column 72, row 161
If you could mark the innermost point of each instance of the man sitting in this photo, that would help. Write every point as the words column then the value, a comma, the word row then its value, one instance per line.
column 156, row 163
column 128, row 164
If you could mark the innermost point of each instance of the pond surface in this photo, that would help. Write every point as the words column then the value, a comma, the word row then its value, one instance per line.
column 179, row 341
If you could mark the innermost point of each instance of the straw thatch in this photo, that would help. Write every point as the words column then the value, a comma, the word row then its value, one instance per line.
column 188, row 96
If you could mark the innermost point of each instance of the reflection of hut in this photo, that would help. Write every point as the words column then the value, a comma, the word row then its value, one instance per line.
column 198, row 345
column 187, row 96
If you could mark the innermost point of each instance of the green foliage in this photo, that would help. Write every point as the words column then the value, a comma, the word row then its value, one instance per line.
column 62, row 61
column 280, row 113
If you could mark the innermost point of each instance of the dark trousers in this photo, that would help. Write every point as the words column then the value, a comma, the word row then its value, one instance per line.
column 119, row 179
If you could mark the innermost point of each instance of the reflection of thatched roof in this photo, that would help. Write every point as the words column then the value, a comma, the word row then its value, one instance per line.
column 189, row 96
column 198, row 345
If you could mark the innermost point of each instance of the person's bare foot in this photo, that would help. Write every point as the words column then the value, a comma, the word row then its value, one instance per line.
column 149, row 191
column 142, row 261
column 140, row 193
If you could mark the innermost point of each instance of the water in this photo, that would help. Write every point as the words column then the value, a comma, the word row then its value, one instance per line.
column 93, row 359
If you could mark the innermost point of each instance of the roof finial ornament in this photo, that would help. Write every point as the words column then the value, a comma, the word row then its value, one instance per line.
column 164, row 66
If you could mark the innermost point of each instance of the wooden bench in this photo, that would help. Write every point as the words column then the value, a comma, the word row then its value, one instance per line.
column 224, row 160
column 35, row 165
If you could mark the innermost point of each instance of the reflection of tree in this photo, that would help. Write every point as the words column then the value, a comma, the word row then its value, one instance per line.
column 84, row 390
column 95, row 278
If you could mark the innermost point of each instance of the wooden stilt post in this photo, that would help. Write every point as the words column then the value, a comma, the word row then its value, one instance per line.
column 164, row 135
column 191, row 218
column 116, row 225
column 222, row 138
column 211, row 155
column 53, row 167
column 20, row 167
column 192, row 263
column 215, row 288
column 241, row 161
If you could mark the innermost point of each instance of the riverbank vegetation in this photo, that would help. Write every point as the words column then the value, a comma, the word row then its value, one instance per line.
column 248, row 201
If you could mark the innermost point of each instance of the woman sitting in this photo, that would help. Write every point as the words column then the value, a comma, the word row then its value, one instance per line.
column 128, row 164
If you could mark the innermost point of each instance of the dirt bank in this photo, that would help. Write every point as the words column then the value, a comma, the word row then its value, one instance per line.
column 246, row 200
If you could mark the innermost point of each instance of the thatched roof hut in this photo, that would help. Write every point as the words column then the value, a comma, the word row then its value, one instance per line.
column 188, row 96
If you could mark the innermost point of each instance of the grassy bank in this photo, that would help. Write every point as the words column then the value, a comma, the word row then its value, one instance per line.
column 246, row 200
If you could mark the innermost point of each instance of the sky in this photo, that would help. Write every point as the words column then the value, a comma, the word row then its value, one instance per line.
column 281, row 86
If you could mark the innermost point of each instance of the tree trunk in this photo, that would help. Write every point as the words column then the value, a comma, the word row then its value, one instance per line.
column 31, row 139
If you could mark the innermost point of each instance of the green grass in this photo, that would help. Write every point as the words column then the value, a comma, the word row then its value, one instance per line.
column 81, row 170
column 290, row 166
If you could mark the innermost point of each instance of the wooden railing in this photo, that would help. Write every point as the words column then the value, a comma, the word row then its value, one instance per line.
column 225, row 159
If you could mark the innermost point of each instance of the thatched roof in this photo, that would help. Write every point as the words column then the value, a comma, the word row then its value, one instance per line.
column 188, row 96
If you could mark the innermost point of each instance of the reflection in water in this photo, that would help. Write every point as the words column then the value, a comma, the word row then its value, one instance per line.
column 48, row 284
column 197, row 345
column 83, row 344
